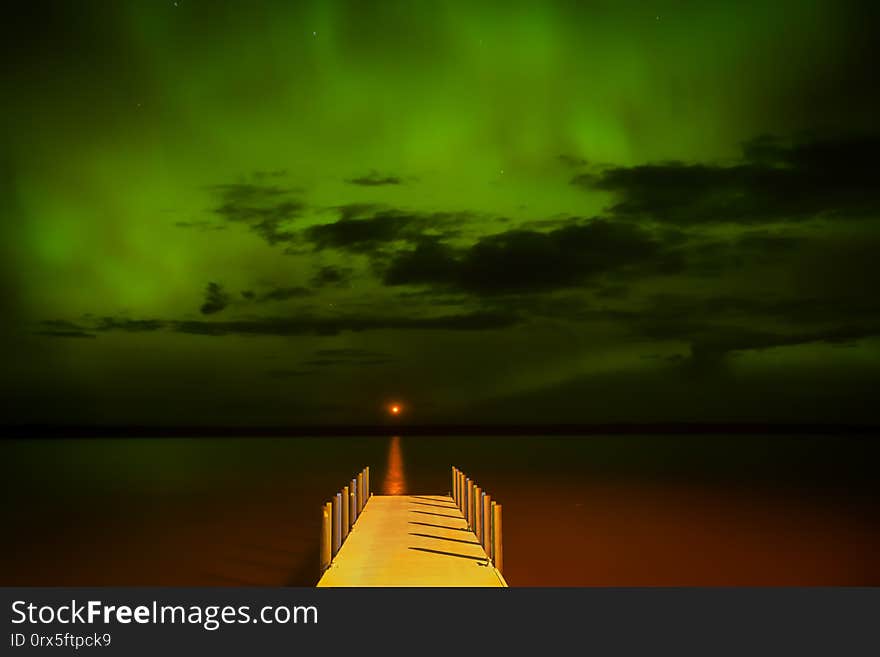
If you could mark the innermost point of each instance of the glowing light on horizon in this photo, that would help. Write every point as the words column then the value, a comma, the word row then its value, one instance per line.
column 395, row 409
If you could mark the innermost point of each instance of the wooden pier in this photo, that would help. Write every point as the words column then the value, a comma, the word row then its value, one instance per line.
column 412, row 540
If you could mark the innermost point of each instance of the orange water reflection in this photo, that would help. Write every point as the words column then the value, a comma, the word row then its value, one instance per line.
column 395, row 479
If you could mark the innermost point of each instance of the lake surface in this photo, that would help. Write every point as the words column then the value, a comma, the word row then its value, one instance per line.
column 578, row 511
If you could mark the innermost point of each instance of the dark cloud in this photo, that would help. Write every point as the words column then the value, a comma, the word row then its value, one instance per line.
column 432, row 297
column 475, row 321
column 60, row 325
column 357, row 210
column 711, row 343
column 276, row 293
column 775, row 180
column 302, row 325
column 265, row 209
column 284, row 293
column 572, row 161
column 330, row 275
column 527, row 261
column 365, row 229
column 216, row 299
column 714, row 257
column 716, row 326
column 129, row 325
column 722, row 340
column 429, row 263
column 374, row 179
column 358, row 235
column 59, row 328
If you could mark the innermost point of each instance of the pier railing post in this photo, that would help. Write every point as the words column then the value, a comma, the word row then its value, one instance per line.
column 462, row 493
column 497, row 550
column 452, row 491
column 326, row 532
column 475, row 511
column 346, row 523
column 470, row 509
column 367, row 485
column 360, row 492
column 353, row 511
column 337, row 523
column 478, row 512
column 487, row 524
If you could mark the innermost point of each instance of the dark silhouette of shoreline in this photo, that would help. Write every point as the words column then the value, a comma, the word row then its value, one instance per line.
column 664, row 428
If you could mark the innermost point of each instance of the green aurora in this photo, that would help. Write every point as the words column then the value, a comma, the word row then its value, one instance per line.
column 291, row 213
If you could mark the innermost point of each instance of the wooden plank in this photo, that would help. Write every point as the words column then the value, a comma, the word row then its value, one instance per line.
column 411, row 540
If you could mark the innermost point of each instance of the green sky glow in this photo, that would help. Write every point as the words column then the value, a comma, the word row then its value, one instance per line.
column 150, row 150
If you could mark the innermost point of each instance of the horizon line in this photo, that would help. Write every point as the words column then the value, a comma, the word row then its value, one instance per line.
column 12, row 431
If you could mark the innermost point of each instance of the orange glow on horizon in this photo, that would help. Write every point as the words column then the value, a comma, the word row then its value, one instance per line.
column 395, row 409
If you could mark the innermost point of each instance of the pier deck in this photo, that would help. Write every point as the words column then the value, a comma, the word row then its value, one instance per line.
column 411, row 540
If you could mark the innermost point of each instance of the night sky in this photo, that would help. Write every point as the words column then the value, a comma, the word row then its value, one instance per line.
column 290, row 213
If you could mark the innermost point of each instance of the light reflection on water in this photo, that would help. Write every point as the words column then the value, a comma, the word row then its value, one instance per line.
column 395, row 477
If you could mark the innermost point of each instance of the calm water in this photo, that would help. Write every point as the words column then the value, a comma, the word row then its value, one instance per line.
column 601, row 510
